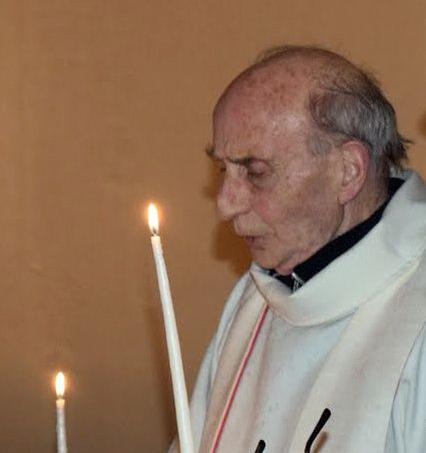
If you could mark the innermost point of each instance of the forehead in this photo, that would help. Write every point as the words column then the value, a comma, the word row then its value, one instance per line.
column 262, row 106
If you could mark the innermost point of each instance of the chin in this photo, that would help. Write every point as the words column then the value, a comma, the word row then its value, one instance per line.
column 265, row 261
column 269, row 261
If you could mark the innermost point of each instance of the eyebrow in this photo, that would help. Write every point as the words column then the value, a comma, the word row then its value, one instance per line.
column 244, row 161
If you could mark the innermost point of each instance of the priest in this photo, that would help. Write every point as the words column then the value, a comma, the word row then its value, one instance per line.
column 330, row 317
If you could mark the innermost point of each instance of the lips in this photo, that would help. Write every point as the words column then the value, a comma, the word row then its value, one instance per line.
column 248, row 232
column 253, row 237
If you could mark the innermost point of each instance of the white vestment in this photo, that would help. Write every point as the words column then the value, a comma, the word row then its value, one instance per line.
column 351, row 339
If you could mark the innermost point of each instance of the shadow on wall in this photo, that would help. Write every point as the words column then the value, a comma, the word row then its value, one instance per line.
column 422, row 124
column 225, row 245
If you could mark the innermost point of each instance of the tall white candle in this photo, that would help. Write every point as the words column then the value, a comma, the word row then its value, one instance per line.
column 61, row 436
column 173, row 346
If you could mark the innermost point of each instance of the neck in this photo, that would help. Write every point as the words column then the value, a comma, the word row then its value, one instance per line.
column 307, row 269
column 368, row 200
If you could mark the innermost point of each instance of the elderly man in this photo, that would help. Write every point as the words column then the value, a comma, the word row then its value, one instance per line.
column 331, row 313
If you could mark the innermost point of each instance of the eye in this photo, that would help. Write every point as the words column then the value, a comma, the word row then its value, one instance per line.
column 253, row 174
column 258, row 172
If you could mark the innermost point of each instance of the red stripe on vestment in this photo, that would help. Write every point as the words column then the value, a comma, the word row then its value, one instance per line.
column 237, row 379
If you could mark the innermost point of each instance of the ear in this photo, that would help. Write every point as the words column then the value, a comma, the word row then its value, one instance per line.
column 356, row 161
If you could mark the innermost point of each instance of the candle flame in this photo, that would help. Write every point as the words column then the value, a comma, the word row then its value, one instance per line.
column 60, row 384
column 153, row 221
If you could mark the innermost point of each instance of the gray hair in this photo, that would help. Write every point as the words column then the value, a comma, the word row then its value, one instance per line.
column 345, row 103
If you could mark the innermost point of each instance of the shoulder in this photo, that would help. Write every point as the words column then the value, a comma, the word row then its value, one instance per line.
column 231, row 306
column 208, row 367
column 229, row 312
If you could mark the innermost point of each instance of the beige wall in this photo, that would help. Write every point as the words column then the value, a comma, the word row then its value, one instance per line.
column 105, row 104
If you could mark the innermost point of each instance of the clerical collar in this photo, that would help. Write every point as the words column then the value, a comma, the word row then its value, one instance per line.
column 324, row 256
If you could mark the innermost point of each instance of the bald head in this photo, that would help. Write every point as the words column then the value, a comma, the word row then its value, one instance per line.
column 341, row 101
column 272, row 85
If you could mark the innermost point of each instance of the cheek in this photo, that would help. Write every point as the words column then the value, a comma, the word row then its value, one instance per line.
column 272, row 209
column 308, row 204
column 285, row 200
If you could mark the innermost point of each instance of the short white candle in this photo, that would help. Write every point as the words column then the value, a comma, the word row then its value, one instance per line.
column 61, row 436
column 173, row 346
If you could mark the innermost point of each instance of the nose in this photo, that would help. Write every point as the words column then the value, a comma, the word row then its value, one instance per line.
column 233, row 198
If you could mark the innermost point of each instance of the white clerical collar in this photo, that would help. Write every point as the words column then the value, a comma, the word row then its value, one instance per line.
column 354, row 277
